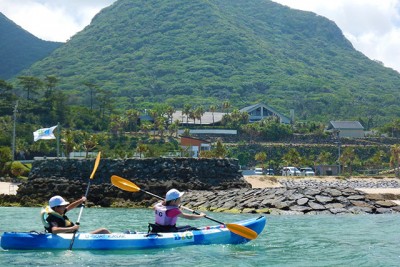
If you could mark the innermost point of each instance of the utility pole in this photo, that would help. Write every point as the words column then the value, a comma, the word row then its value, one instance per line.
column 13, row 138
column 58, row 140
column 338, row 137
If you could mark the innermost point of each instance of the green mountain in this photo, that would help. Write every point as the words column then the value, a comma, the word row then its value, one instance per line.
column 205, row 52
column 19, row 49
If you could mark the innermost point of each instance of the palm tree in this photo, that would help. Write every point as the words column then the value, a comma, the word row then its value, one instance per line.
column 186, row 111
column 68, row 141
column 170, row 113
column 225, row 105
column 199, row 112
column 348, row 158
column 89, row 142
column 213, row 108
column 132, row 116
column 261, row 157
column 116, row 124
column 141, row 148
column 292, row 157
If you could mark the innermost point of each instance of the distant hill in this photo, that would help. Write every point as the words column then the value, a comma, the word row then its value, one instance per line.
column 204, row 52
column 19, row 49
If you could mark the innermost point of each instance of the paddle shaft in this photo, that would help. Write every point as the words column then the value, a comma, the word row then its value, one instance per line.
column 96, row 164
column 83, row 204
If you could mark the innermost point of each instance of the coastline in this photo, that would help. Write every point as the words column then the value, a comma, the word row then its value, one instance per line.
column 286, row 195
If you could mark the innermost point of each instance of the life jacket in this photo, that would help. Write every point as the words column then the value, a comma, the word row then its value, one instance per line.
column 161, row 214
column 49, row 215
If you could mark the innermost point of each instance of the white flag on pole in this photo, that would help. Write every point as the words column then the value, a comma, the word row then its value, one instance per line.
column 45, row 133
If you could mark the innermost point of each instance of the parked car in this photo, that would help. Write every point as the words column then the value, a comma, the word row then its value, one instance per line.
column 307, row 171
column 269, row 172
column 290, row 171
column 258, row 171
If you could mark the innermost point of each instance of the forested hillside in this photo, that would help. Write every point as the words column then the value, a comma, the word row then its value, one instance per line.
column 19, row 49
column 204, row 52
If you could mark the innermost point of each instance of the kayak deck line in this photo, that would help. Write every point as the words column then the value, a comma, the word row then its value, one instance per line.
column 218, row 234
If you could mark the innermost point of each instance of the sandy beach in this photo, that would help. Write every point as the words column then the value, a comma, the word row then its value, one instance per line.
column 263, row 181
column 8, row 188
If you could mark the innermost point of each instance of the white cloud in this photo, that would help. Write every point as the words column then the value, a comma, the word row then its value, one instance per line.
column 52, row 20
column 373, row 27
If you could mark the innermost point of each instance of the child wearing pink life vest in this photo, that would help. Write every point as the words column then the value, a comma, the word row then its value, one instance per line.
column 168, row 211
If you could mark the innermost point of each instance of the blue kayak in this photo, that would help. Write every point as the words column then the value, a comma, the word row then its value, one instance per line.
column 218, row 234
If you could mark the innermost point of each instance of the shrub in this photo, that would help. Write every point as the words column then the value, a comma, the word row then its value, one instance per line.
column 18, row 169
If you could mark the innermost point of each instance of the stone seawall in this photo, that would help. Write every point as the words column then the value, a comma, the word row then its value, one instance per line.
column 69, row 178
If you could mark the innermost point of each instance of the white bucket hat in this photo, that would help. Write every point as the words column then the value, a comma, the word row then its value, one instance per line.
column 173, row 194
column 57, row 201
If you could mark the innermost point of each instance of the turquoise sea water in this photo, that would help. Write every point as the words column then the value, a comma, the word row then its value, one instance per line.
column 349, row 240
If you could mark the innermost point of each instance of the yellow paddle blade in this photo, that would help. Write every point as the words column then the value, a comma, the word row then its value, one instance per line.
column 124, row 184
column 242, row 231
column 96, row 164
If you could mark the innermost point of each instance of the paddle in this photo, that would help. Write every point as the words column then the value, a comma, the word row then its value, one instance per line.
column 131, row 187
column 96, row 164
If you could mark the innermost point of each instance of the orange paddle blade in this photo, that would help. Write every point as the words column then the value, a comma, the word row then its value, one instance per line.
column 96, row 164
column 242, row 231
column 124, row 184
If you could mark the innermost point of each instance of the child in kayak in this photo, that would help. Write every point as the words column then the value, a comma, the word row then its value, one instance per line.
column 55, row 221
column 168, row 211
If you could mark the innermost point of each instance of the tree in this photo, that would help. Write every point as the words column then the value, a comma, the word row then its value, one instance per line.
column 170, row 113
column 324, row 157
column 225, row 106
column 186, row 111
column 6, row 91
column 292, row 157
column 116, row 124
column 68, row 142
column 30, row 84
column 220, row 150
column 395, row 158
column 349, row 158
column 89, row 142
column 141, row 149
column 173, row 128
column 261, row 157
column 132, row 116
column 213, row 109
column 92, row 90
column 252, row 130
column 198, row 113
column 50, row 82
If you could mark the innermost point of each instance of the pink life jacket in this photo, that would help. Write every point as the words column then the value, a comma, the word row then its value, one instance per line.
column 161, row 214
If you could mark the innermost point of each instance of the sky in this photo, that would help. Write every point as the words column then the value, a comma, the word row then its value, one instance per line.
column 372, row 26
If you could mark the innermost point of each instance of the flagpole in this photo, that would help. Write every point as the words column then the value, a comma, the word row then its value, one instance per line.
column 58, row 139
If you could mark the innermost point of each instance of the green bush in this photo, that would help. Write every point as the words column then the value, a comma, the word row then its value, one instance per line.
column 18, row 169
column 5, row 156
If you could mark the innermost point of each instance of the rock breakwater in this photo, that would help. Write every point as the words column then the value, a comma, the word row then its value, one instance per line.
column 318, row 199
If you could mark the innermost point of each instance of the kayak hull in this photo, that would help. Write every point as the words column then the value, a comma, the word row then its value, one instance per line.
column 120, row 241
